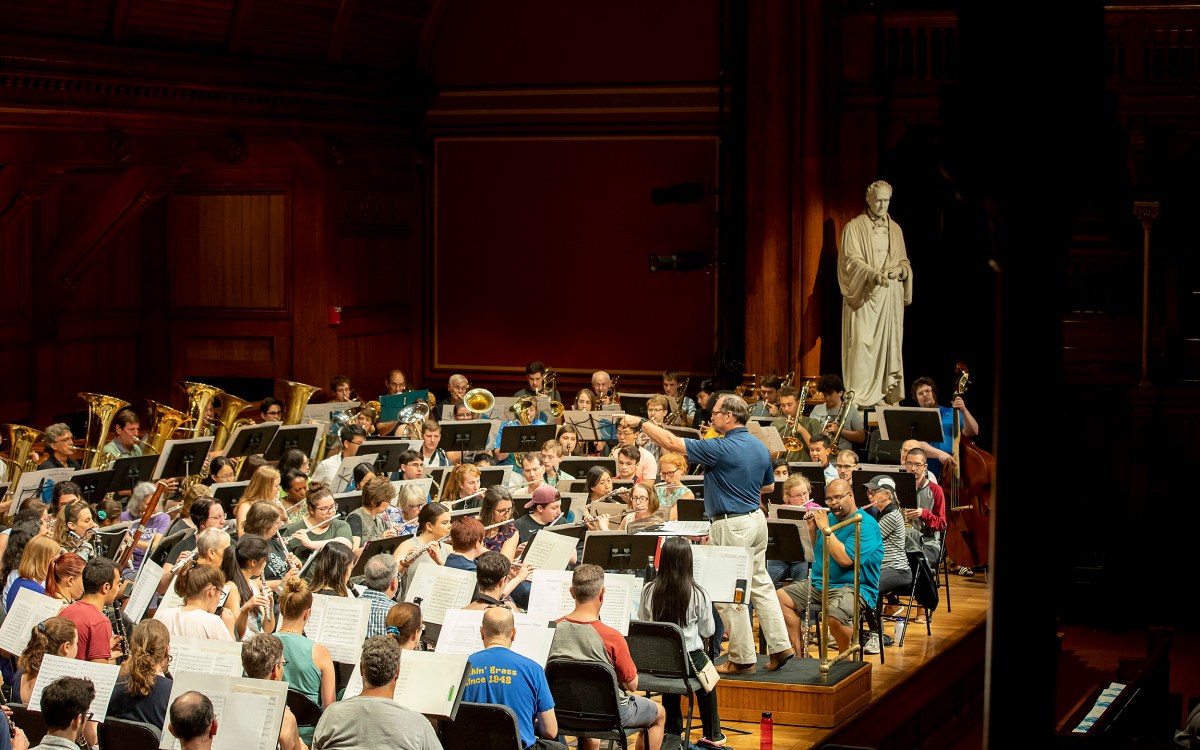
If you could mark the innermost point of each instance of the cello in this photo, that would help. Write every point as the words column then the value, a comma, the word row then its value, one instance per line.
column 968, row 490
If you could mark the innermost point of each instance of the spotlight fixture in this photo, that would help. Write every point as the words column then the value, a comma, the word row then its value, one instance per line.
column 683, row 194
column 681, row 262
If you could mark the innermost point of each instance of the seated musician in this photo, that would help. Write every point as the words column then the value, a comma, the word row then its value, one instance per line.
column 64, row 493
column 319, row 527
column 704, row 402
column 657, row 409
column 568, row 438
column 262, row 659
column 598, row 483
column 495, row 580
column 781, row 469
column 797, row 491
column 627, row 462
column 643, row 512
column 352, row 438
column 125, row 440
column 456, row 389
column 792, row 423
column 552, row 455
column 846, row 463
column 61, row 446
column 768, row 401
column 924, row 390
column 535, row 374
column 545, row 509
column 602, row 386
column 585, row 400
column 431, row 436
column 270, row 410
column 671, row 468
column 647, row 466
column 797, row 598
column 74, row 528
column 339, row 389
column 670, row 381
column 154, row 529
column 818, row 448
column 533, row 470
column 929, row 519
column 831, row 389
column 894, row 573
column 204, row 513
column 466, row 539
column 531, row 418
column 395, row 383
column 411, row 465
column 462, row 481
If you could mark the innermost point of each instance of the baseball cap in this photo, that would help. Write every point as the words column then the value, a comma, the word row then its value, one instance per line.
column 881, row 482
column 543, row 495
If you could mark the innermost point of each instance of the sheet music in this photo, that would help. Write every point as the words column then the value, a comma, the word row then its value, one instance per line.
column 550, row 597
column 440, row 589
column 29, row 482
column 680, row 528
column 429, row 682
column 204, row 656
column 769, row 436
column 144, row 586
column 460, row 634
column 103, row 677
column 249, row 712
column 28, row 609
column 423, row 487
column 339, row 623
column 550, row 551
column 718, row 570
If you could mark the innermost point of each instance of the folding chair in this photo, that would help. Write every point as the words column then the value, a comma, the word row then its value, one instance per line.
column 585, row 700
column 663, row 662
column 128, row 735
column 465, row 731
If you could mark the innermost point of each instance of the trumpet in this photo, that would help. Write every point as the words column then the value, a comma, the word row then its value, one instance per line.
column 612, row 391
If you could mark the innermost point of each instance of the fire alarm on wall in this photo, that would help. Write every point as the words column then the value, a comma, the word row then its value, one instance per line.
column 335, row 315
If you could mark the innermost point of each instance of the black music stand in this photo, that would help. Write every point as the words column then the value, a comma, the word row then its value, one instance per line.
column 880, row 451
column 129, row 471
column 248, row 440
column 490, row 476
column 620, row 551
column 182, row 458
column 783, row 542
column 347, row 502
column 378, row 547
column 387, row 453
column 577, row 466
column 914, row 423
column 302, row 437
column 93, row 484
column 816, row 478
column 438, row 475
column 690, row 510
column 685, row 433
column 466, row 436
column 774, row 496
column 108, row 540
column 228, row 493
column 520, row 438
column 167, row 543
column 635, row 404
column 567, row 530
column 906, row 485
column 790, row 512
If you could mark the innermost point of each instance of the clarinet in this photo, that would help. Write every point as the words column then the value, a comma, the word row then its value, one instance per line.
column 807, row 616
column 118, row 623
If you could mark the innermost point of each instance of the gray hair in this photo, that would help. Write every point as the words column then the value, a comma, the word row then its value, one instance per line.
column 137, row 501
column 210, row 540
column 260, row 653
column 54, row 432
column 380, row 572
column 456, row 378
column 736, row 406
column 874, row 186
column 380, row 661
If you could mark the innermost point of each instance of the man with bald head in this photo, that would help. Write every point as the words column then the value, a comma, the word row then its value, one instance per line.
column 501, row 676
column 193, row 721
column 798, row 596
column 602, row 387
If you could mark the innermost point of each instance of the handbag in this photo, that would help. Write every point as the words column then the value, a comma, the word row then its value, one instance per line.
column 706, row 673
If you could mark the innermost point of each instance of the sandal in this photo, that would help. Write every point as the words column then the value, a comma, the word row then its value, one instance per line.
column 965, row 572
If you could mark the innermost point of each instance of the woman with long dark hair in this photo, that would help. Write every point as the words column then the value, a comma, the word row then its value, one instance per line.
column 433, row 525
column 243, row 568
column 498, row 506
column 331, row 570
column 673, row 596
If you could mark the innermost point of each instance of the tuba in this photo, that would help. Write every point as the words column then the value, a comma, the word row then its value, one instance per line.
column 20, row 441
column 163, row 422
column 101, row 409
column 412, row 417
column 227, row 418
column 843, row 414
column 297, row 399
column 200, row 397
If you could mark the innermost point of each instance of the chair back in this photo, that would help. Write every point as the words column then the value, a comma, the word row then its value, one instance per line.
column 925, row 583
column 501, row 734
column 306, row 712
column 128, row 735
column 657, row 649
column 585, row 697
column 31, row 722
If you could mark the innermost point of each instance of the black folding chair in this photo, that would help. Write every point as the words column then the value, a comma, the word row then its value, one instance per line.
column 29, row 721
column 663, row 662
column 585, row 700
column 466, row 729
column 306, row 712
column 128, row 735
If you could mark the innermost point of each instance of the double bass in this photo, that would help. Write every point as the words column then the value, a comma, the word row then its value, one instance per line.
column 968, row 490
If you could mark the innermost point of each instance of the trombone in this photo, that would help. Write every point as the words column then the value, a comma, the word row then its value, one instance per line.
column 678, row 416
column 549, row 381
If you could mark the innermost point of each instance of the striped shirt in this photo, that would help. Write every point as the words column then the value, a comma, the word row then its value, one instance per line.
column 891, row 528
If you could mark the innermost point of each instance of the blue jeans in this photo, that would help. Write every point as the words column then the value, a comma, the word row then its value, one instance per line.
column 781, row 571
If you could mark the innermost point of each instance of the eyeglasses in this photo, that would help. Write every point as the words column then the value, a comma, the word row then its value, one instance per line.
column 910, row 465
column 325, row 508
column 283, row 662
column 842, row 496
column 219, row 517
column 845, row 466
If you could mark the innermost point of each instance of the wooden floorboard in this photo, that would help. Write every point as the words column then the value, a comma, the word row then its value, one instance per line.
column 961, row 629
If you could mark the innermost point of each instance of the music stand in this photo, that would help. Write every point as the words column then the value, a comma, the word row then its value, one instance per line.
column 33, row 483
column 816, row 478
column 302, row 437
column 634, row 404
column 93, row 484
column 378, row 547
column 685, row 433
column 695, row 483
column 617, row 551
column 880, row 451
column 345, row 471
column 466, row 436
column 591, row 426
column 348, row 502
column 129, row 471
column 784, row 542
column 247, row 440
column 108, row 540
column 491, row 476
column 774, row 496
column 228, row 493
column 912, row 423
column 906, row 484
column 182, row 458
column 567, row 530
column 387, row 453
column 577, row 466
column 690, row 510
column 763, row 422
column 167, row 543
column 526, row 438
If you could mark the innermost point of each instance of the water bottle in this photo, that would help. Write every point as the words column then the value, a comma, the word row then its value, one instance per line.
column 899, row 629
column 766, row 727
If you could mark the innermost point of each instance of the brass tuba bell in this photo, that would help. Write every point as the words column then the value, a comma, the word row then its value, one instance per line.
column 200, row 398
column 163, row 422
column 227, row 418
column 101, row 411
column 297, row 398
column 20, row 441
column 479, row 400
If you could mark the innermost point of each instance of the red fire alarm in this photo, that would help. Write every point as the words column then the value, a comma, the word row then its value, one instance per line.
column 335, row 315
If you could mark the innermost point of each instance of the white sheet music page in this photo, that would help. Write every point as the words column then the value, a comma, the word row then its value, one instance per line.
column 342, row 626
column 103, row 677
column 28, row 609
column 440, row 589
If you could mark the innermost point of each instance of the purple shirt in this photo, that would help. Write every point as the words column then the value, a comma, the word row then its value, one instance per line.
column 158, row 524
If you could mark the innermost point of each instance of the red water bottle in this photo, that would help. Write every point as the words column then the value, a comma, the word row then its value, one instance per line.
column 766, row 727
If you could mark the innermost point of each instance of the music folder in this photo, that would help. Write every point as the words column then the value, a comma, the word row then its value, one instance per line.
column 906, row 484
column 182, row 458
column 468, row 435
column 390, row 404
column 302, row 437
column 129, row 471
column 912, row 423
column 94, row 484
column 248, row 440
column 519, row 438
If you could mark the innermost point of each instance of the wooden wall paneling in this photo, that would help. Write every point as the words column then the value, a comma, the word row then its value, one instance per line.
column 91, row 363
column 813, row 240
column 770, row 175
column 16, row 313
column 316, row 276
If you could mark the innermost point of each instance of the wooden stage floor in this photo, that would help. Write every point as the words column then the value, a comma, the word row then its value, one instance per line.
column 923, row 666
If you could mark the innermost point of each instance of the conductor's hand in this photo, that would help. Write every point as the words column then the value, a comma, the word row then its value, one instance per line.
column 631, row 421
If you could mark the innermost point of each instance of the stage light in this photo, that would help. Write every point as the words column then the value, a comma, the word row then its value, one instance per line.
column 683, row 194
column 681, row 262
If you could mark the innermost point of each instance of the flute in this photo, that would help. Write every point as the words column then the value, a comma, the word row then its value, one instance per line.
column 422, row 549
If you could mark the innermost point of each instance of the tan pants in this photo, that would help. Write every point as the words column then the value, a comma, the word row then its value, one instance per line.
column 751, row 532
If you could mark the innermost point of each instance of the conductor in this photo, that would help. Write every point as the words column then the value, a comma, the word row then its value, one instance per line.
column 737, row 470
